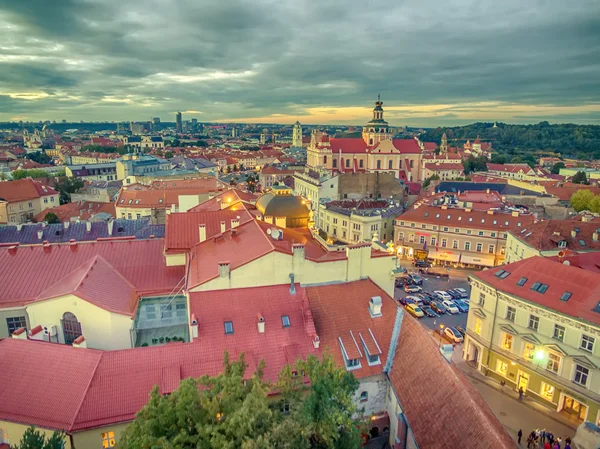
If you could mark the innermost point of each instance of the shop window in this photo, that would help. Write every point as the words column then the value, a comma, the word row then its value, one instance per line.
column 507, row 341
column 502, row 368
column 547, row 391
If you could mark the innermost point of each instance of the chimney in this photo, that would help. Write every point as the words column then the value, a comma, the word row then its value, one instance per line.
column 66, row 224
column 573, row 233
column 20, row 333
column 80, row 342
column 88, row 226
column 316, row 342
column 515, row 213
column 375, row 304
column 224, row 269
column 223, row 227
column 46, row 246
column 235, row 222
column 261, row 324
column 490, row 212
column 468, row 209
column 110, row 225
column 595, row 235
column 194, row 325
column 12, row 250
column 298, row 251
column 40, row 234
column 37, row 333
column 202, row 232
column 19, row 227
column 173, row 208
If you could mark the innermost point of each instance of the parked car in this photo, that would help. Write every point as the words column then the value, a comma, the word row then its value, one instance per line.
column 406, row 300
column 415, row 311
column 406, row 279
column 429, row 312
column 453, row 294
column 399, row 283
column 450, row 307
column 424, row 298
column 412, row 289
column 415, row 299
column 462, row 306
column 453, row 335
column 443, row 295
column 416, row 279
column 463, row 292
column 437, row 307
column 461, row 330
column 421, row 263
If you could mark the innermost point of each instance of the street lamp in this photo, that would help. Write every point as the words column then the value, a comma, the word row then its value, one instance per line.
column 441, row 332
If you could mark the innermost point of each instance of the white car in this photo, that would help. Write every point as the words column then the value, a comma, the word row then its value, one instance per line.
column 463, row 293
column 442, row 294
column 450, row 307
column 453, row 335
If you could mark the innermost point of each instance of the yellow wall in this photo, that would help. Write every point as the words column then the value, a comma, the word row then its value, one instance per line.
column 134, row 211
column 101, row 329
column 15, row 432
column 517, row 250
column 175, row 259
column 527, row 186
column 92, row 439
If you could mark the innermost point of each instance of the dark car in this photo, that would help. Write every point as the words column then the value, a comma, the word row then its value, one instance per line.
column 437, row 307
column 406, row 279
column 462, row 306
column 454, row 294
column 424, row 298
column 421, row 264
column 461, row 330
column 429, row 312
column 405, row 301
column 399, row 283
column 416, row 279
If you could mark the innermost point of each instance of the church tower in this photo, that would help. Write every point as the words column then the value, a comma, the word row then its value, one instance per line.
column 377, row 129
column 444, row 144
column 297, row 135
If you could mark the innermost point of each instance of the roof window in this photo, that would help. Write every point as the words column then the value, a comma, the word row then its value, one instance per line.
column 427, row 214
column 285, row 320
column 483, row 220
column 506, row 223
column 565, row 296
column 437, row 215
column 229, row 327
column 539, row 287
column 522, row 282
column 470, row 218
column 502, row 274
column 448, row 217
column 582, row 242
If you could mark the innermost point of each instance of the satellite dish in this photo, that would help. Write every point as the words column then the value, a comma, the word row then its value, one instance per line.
column 566, row 262
column 275, row 234
column 269, row 231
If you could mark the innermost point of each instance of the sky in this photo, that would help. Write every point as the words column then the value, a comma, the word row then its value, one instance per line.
column 435, row 62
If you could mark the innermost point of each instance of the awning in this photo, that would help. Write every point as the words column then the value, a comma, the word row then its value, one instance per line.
column 447, row 256
column 480, row 313
column 509, row 329
column 483, row 260
column 530, row 338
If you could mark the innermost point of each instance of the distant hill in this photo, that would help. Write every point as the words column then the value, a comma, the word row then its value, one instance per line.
column 581, row 141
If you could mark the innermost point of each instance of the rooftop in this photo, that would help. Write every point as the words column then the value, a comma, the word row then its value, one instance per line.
column 24, row 189
column 83, row 210
column 548, row 234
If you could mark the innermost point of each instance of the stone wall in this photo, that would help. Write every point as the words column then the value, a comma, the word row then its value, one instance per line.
column 370, row 185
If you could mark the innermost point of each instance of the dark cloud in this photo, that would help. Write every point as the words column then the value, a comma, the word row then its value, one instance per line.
column 236, row 59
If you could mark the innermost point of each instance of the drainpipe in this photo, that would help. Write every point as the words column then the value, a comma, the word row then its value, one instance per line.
column 492, row 336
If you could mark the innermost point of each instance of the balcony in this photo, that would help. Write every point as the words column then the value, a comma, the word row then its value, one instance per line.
column 160, row 321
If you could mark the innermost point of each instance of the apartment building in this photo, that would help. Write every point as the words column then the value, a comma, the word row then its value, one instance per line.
column 533, row 324
column 23, row 199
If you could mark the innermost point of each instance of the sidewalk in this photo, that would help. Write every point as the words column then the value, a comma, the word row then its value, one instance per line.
column 455, row 273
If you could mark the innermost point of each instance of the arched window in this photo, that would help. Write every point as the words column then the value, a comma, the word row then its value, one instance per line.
column 378, row 164
column 390, row 164
column 347, row 163
column 71, row 328
column 334, row 161
column 325, row 160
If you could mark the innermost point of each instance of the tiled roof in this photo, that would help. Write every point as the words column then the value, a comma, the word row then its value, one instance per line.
column 565, row 192
column 476, row 219
column 231, row 196
column 510, row 168
column 407, row 146
column 28, row 271
column 341, row 311
column 583, row 285
column 24, row 189
column 83, row 210
column 56, row 233
column 442, row 166
column 182, row 229
column 347, row 145
column 545, row 235
column 204, row 184
column 97, row 282
column 273, row 170
column 446, row 412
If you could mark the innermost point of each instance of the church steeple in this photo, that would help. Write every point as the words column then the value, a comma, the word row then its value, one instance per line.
column 376, row 130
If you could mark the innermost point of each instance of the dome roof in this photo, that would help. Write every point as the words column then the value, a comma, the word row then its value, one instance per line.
column 277, row 204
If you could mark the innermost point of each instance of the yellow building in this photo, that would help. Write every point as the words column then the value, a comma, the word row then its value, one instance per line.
column 23, row 199
column 533, row 324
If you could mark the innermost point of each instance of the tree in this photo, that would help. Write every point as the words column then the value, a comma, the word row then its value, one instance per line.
column 168, row 154
column 594, row 204
column 473, row 164
column 51, row 218
column 579, row 178
column 556, row 168
column 66, row 187
column 39, row 156
column 428, row 180
column 34, row 439
column 233, row 411
column 581, row 200
column 33, row 173
column 498, row 159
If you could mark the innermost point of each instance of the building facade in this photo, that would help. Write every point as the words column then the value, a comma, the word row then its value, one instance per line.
column 297, row 135
column 23, row 199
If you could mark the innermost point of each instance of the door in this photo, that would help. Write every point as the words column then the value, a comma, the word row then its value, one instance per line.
column 574, row 408
column 71, row 328
column 523, row 381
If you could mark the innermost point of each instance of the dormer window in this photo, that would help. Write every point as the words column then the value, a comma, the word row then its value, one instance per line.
column 562, row 244
column 350, row 352
column 371, row 347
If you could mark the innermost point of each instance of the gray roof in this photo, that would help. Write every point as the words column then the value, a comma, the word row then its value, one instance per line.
column 501, row 188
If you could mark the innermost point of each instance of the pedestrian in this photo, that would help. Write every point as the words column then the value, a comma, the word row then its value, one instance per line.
column 556, row 445
column 520, row 435
column 547, row 445
column 520, row 393
column 543, row 435
column 530, row 441
column 568, row 443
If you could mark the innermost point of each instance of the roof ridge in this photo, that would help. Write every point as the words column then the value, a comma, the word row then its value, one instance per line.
column 67, row 275
column 87, row 388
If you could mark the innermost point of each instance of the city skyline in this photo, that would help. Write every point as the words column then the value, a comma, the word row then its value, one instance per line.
column 257, row 62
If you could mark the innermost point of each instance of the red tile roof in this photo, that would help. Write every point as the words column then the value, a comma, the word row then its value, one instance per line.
column 407, row 146
column 98, row 282
column 235, row 195
column 441, row 166
column 182, row 229
column 583, row 285
column 510, row 168
column 545, row 235
column 24, row 189
column 342, row 311
column 565, row 191
column 446, row 412
column 348, row 145
column 83, row 210
column 29, row 271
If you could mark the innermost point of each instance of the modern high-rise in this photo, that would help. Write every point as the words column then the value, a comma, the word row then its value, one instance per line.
column 297, row 135
column 178, row 123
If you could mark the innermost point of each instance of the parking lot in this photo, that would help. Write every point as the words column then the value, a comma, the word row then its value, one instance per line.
column 431, row 283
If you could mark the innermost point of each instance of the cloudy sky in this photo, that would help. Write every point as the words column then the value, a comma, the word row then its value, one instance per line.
column 435, row 62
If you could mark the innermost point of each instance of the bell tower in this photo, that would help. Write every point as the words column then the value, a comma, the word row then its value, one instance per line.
column 377, row 128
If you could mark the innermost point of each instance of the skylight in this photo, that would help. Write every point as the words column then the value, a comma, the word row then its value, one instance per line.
column 582, row 242
column 285, row 320
column 502, row 274
column 565, row 296
column 427, row 214
column 437, row 215
column 522, row 282
column 539, row 287
column 229, row 327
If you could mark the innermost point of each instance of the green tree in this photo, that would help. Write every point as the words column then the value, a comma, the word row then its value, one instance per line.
column 231, row 411
column 51, row 218
column 581, row 200
column 498, row 159
column 33, row 173
column 427, row 182
column 556, row 168
column 168, row 154
column 39, row 156
column 34, row 439
column 66, row 186
column 579, row 178
column 473, row 164
column 594, row 204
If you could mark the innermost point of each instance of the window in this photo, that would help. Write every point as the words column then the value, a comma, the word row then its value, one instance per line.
column 521, row 282
column 565, row 296
column 467, row 246
column 493, row 234
column 412, row 225
column 502, row 367
column 347, row 163
column 360, row 163
column 481, row 233
column 510, row 313
column 528, row 351
column 539, row 287
column 45, row 201
column 364, row 396
column 562, row 244
column 229, row 327
column 479, row 247
column 502, row 274
column 491, row 249
column 285, row 320
column 445, row 229
column 553, row 362
column 401, row 236
column 334, row 162
column 507, row 341
column 14, row 323
column 423, row 226
column 422, row 239
column 30, row 204
column 433, row 241
column 468, row 232
column 378, row 164
column 150, row 310
column 285, row 407
column 477, row 327
column 559, row 332
column 180, row 310
column 482, row 299
column 455, row 244
column 534, row 322
column 108, row 439
column 390, row 164
column 581, row 375
column 411, row 238
column 547, row 391
column 444, row 243
column 587, row 343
